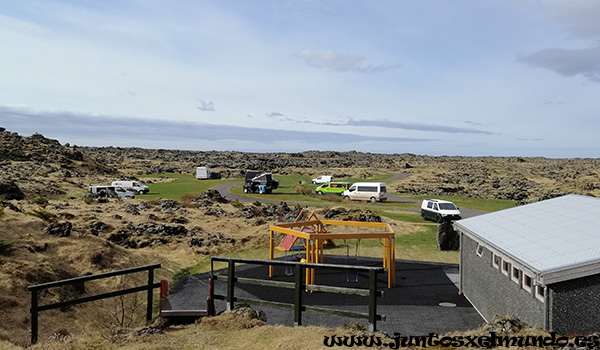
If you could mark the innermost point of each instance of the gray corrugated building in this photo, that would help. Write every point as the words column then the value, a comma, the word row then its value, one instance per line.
column 539, row 262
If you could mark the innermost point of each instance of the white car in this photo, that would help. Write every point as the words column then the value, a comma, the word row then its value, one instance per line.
column 323, row 179
column 439, row 210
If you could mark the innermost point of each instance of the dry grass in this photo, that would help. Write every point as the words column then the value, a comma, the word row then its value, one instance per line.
column 228, row 332
column 218, row 333
column 31, row 263
column 37, row 258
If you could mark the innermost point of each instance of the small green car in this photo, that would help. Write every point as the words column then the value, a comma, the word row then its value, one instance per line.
column 333, row 187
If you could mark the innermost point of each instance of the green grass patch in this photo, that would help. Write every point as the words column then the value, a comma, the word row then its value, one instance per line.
column 488, row 205
column 401, row 215
column 6, row 248
column 287, row 193
column 375, row 178
column 422, row 246
column 181, row 184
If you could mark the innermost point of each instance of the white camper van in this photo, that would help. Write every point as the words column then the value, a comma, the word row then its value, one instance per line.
column 366, row 191
column 202, row 173
column 134, row 186
column 323, row 179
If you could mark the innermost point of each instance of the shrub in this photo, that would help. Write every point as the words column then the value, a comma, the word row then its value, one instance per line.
column 44, row 215
column 303, row 191
column 237, row 204
column 153, row 202
column 186, row 200
column 42, row 201
column 331, row 197
column 298, row 187
column 6, row 248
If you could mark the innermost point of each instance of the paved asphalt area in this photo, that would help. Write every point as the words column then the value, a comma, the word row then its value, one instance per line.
column 412, row 307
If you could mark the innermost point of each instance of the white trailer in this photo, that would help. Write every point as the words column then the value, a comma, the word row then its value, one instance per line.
column 202, row 173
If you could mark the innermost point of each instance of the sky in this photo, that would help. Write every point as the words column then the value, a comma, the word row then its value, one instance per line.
column 464, row 77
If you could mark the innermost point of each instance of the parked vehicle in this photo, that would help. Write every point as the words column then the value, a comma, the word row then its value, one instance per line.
column 134, row 186
column 111, row 192
column 261, row 182
column 202, row 173
column 366, row 191
column 322, row 179
column 333, row 187
column 439, row 210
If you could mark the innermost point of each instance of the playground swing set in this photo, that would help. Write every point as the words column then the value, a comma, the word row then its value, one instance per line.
column 312, row 233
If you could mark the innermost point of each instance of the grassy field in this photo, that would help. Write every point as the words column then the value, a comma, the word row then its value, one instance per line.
column 174, row 186
column 177, row 185
column 287, row 192
column 419, row 244
column 488, row 205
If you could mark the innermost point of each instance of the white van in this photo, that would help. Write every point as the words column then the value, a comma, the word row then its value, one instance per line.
column 111, row 192
column 439, row 210
column 323, row 179
column 366, row 191
column 202, row 173
column 134, row 186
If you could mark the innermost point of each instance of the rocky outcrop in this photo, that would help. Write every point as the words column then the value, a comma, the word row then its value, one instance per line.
column 504, row 325
column 31, row 162
column 9, row 190
column 447, row 237
column 62, row 229
column 512, row 178
column 350, row 215
column 149, row 234
column 275, row 212
column 245, row 311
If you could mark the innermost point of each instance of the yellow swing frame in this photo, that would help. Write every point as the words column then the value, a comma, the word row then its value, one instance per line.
column 312, row 231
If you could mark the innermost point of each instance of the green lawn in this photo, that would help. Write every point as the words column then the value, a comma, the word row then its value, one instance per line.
column 287, row 193
column 419, row 245
column 401, row 215
column 186, row 184
column 488, row 205
column 182, row 184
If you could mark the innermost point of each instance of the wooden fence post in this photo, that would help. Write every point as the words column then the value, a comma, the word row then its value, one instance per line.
column 298, row 295
column 149, row 296
column 210, row 301
column 372, row 301
column 230, row 284
column 34, row 316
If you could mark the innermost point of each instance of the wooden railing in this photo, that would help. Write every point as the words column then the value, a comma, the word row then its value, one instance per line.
column 36, row 308
column 299, row 286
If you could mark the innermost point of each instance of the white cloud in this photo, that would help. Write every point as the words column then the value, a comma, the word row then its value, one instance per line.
column 579, row 19
column 584, row 62
column 341, row 62
column 205, row 106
